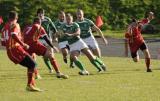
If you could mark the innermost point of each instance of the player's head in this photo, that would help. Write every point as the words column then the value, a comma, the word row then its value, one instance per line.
column 61, row 16
column 13, row 15
column 37, row 20
column 134, row 22
column 40, row 13
column 150, row 15
column 69, row 18
column 80, row 14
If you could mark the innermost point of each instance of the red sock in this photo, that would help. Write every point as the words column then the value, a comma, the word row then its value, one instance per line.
column 30, row 74
column 147, row 60
column 54, row 64
column 36, row 71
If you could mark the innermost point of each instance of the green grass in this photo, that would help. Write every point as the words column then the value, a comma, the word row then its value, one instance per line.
column 120, row 34
column 124, row 81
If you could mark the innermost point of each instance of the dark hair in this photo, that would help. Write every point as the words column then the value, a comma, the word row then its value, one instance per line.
column 40, row 10
column 12, row 14
column 36, row 19
column 134, row 20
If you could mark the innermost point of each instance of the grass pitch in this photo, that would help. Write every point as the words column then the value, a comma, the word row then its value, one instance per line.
column 124, row 81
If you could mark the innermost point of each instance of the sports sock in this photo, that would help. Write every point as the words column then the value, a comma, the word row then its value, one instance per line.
column 30, row 74
column 47, row 62
column 55, row 65
column 99, row 61
column 79, row 65
column 147, row 61
column 96, row 64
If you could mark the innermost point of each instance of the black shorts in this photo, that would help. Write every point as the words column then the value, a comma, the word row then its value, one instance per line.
column 28, row 62
column 142, row 47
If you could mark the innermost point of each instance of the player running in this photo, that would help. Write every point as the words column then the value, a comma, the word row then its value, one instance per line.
column 86, row 27
column 12, row 40
column 72, row 32
column 62, row 40
column 31, row 37
column 50, row 29
column 136, row 42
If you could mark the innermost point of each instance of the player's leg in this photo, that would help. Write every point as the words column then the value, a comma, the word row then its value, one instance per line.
column 31, row 65
column 93, row 45
column 54, row 63
column 37, row 75
column 74, row 56
column 64, row 53
column 146, row 53
column 47, row 61
column 94, row 60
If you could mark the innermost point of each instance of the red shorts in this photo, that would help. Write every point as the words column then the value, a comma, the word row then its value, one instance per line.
column 135, row 45
column 16, row 54
column 37, row 48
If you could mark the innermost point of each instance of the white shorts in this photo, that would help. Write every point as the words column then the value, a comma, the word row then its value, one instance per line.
column 62, row 44
column 91, row 42
column 78, row 46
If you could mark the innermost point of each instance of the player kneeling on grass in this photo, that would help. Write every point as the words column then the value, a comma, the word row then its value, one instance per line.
column 77, row 45
column 31, row 38
column 11, row 39
column 136, row 42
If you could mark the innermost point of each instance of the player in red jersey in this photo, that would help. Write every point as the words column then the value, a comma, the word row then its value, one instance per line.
column 11, row 39
column 31, row 37
column 136, row 42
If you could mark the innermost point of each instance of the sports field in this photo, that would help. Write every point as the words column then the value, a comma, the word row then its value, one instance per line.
column 124, row 81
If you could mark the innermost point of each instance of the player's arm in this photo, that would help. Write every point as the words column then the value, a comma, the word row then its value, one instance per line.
column 3, row 43
column 15, row 37
column 94, row 27
column 77, row 33
column 44, row 35
column 53, row 27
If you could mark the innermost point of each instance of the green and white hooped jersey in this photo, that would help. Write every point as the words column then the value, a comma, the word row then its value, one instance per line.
column 49, row 26
column 85, row 26
column 58, row 24
column 71, row 29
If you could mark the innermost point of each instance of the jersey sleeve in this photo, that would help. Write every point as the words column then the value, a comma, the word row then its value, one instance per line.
column 52, row 26
column 91, row 23
column 15, row 28
column 42, row 32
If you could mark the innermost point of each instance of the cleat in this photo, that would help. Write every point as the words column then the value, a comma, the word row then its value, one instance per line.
column 84, row 72
column 72, row 65
column 61, row 75
column 65, row 60
column 103, row 67
column 100, row 71
column 38, row 77
column 149, row 70
column 51, row 71
column 33, row 88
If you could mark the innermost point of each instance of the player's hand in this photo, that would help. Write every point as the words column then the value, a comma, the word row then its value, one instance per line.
column 56, row 49
column 25, row 46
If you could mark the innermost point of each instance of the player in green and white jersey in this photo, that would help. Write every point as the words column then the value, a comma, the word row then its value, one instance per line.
column 72, row 31
column 86, row 27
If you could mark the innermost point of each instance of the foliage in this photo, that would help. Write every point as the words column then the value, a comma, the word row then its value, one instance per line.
column 116, row 13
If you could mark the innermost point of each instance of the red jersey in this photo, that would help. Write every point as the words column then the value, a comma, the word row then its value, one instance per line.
column 135, row 40
column 33, row 33
column 14, row 50
column 144, row 21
